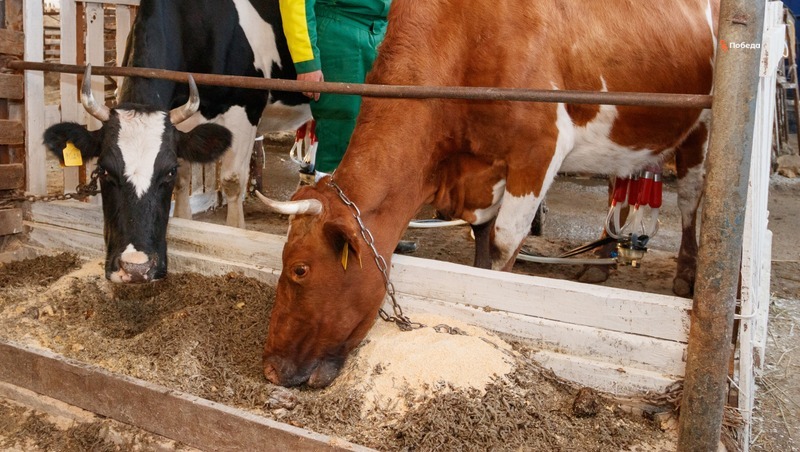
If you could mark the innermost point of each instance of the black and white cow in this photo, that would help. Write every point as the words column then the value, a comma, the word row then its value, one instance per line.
column 232, row 37
column 139, row 147
column 137, row 151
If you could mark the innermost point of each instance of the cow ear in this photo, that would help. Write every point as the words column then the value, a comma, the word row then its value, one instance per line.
column 88, row 143
column 205, row 143
column 346, row 241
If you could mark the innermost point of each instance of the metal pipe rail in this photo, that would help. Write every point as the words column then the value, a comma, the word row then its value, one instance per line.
column 665, row 100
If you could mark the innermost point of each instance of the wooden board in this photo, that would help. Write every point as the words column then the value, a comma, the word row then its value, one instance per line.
column 617, row 341
column 649, row 315
column 10, row 221
column 12, row 176
column 11, row 86
column 179, row 416
column 11, row 132
column 11, row 42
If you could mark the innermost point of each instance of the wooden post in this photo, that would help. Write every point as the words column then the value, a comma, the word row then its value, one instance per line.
column 69, row 82
column 35, row 161
column 728, row 165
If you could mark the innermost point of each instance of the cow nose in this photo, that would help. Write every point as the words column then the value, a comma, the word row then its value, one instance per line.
column 271, row 372
column 136, row 266
column 324, row 374
column 276, row 369
column 282, row 372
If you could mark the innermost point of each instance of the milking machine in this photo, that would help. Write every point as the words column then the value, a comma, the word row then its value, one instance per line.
column 304, row 151
column 642, row 194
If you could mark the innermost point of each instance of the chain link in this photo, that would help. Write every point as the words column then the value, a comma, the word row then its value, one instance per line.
column 82, row 191
column 401, row 320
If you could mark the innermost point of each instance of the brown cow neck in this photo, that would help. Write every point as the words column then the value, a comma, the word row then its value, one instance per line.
column 388, row 191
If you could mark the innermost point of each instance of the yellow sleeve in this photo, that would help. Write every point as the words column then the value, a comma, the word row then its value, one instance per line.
column 299, row 26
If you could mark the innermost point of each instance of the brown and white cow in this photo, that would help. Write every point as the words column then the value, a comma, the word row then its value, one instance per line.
column 402, row 150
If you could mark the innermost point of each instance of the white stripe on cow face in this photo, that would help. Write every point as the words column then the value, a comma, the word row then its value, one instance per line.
column 260, row 36
column 140, row 138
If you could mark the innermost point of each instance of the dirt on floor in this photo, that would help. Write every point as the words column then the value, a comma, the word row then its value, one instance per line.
column 204, row 335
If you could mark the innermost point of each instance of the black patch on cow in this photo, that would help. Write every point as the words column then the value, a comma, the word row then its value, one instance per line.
column 57, row 136
column 205, row 143
column 202, row 36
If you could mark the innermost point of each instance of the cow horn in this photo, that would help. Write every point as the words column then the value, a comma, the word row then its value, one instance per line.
column 304, row 206
column 99, row 111
column 179, row 114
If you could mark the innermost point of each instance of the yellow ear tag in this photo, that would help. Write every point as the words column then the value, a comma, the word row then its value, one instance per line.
column 345, row 252
column 72, row 155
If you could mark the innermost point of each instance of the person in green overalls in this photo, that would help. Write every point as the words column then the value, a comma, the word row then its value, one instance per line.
column 335, row 41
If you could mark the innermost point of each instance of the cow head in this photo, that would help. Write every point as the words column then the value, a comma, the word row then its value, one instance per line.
column 328, row 293
column 137, row 150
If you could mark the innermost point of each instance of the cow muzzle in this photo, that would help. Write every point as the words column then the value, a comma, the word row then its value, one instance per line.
column 135, row 267
column 319, row 375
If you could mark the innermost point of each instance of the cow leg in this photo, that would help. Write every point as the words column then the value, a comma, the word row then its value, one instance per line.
column 513, row 221
column 235, row 164
column 689, row 158
column 483, row 238
column 512, row 225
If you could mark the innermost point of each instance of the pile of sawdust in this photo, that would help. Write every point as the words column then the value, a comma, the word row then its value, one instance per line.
column 443, row 356
column 205, row 335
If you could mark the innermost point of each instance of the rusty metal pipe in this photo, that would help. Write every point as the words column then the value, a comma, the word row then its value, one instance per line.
column 667, row 100
column 736, row 77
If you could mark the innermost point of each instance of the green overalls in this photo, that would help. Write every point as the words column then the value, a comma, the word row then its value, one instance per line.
column 341, row 38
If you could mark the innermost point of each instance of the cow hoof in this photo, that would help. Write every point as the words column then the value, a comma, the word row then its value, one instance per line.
column 405, row 247
column 593, row 274
column 682, row 287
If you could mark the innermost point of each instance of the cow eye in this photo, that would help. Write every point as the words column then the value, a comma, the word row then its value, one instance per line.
column 300, row 270
column 172, row 172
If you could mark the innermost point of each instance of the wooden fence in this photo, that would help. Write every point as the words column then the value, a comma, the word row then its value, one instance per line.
column 12, row 130
column 757, row 240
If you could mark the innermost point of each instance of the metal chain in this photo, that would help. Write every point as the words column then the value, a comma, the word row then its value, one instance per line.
column 400, row 319
column 82, row 191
